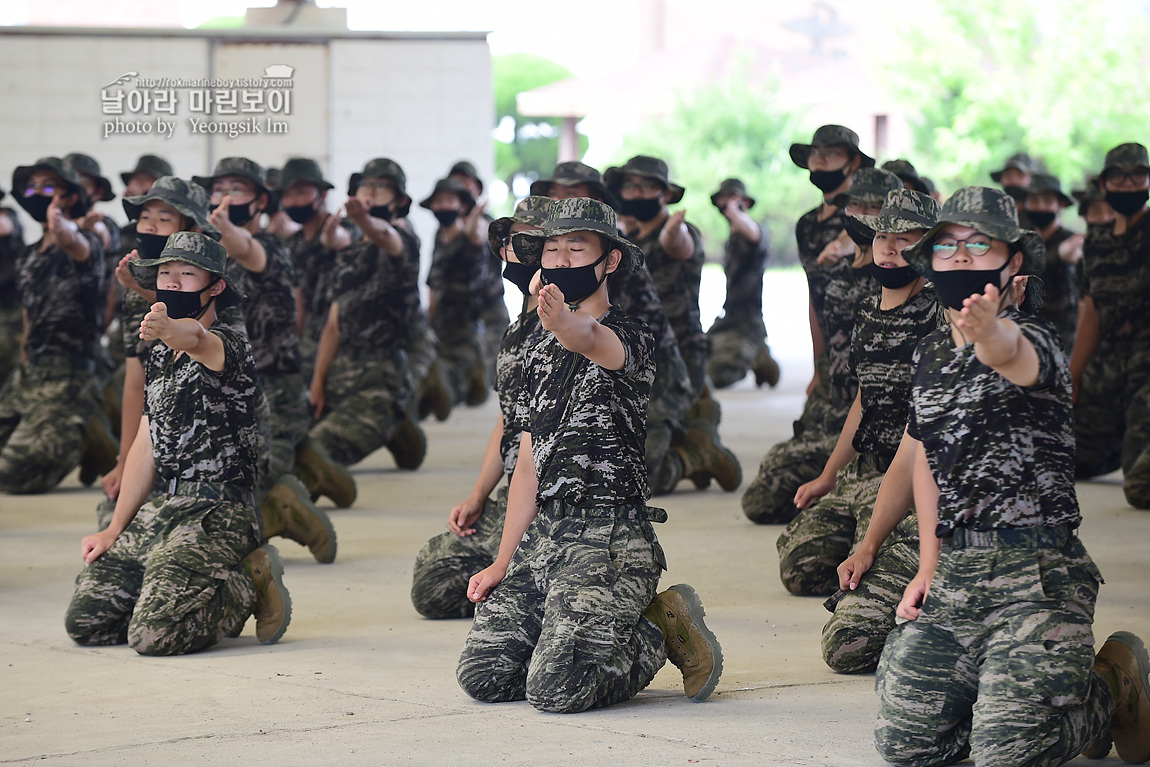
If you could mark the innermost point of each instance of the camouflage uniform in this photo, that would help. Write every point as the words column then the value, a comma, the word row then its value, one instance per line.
column 313, row 265
column 564, row 629
column 1060, row 279
column 369, row 385
column 11, row 316
column 172, row 582
column 1112, row 413
column 738, row 335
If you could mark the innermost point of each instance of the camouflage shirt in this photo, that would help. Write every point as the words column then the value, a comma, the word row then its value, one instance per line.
column 1118, row 279
column 881, row 352
column 314, row 265
column 378, row 294
column 846, row 290
column 678, row 285
column 1002, row 455
column 1060, row 308
column 64, row 299
column 269, row 308
column 587, row 423
column 812, row 236
column 458, row 275
column 205, row 425
column 520, row 335
column 10, row 249
column 743, row 264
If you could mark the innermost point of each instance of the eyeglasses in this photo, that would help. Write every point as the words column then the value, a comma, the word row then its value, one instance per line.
column 1126, row 177
column 47, row 189
column 976, row 245
column 827, row 153
column 649, row 185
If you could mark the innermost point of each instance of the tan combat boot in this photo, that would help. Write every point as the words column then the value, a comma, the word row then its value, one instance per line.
column 1124, row 664
column 323, row 476
column 765, row 368
column 273, row 603
column 477, row 388
column 704, row 456
column 408, row 444
column 434, row 396
column 288, row 511
column 690, row 644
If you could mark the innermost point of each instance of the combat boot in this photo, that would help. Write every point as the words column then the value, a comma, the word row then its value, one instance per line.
column 100, row 450
column 434, row 396
column 408, row 444
column 477, row 387
column 706, row 412
column 323, row 476
column 288, row 511
column 273, row 603
column 704, row 456
column 765, row 368
column 1124, row 665
column 678, row 613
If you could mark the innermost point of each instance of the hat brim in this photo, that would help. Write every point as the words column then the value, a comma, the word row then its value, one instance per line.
column 22, row 173
column 800, row 155
column 207, row 181
column 464, row 197
column 1033, row 250
column 614, row 176
column 144, row 270
column 529, row 245
column 541, row 188
column 750, row 200
column 181, row 204
column 892, row 223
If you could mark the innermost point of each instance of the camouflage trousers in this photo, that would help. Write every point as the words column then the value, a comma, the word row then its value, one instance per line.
column 365, row 401
column 1000, row 663
column 769, row 498
column 735, row 342
column 289, row 417
column 11, row 333
column 446, row 563
column 664, row 467
column 672, row 395
column 695, row 352
column 43, row 412
column 1112, row 420
column 422, row 346
column 172, row 582
column 564, row 630
column 494, row 321
column 460, row 352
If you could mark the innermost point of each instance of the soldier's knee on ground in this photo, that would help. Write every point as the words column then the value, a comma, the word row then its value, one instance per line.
column 808, row 571
column 440, row 592
column 765, row 506
column 1136, row 483
column 849, row 649
column 476, row 677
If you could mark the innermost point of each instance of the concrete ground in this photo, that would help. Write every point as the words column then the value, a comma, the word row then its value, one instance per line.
column 361, row 679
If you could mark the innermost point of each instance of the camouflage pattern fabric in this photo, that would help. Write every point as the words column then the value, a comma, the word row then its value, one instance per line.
column 458, row 277
column 64, row 300
column 11, row 314
column 446, row 563
column 524, row 333
column 769, row 497
column 289, row 417
column 812, row 236
column 678, row 285
column 967, row 417
column 172, row 582
column 1060, row 307
column 845, row 292
column 422, row 345
column 564, row 630
column 43, row 411
column 999, row 666
column 269, row 309
column 313, row 266
column 587, row 423
column 743, row 265
column 366, row 398
column 11, row 331
column 735, row 339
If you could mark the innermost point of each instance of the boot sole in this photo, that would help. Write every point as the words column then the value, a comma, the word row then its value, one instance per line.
column 277, row 568
column 1134, row 747
column 696, row 612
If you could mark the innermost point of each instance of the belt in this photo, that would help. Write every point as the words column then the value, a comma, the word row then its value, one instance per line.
column 628, row 510
column 1044, row 537
column 213, row 491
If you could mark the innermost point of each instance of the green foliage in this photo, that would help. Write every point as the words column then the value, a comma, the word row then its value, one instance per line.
column 733, row 129
column 982, row 79
column 535, row 146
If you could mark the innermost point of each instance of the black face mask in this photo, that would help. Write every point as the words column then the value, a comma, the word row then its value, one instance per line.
column 184, row 304
column 150, row 245
column 1124, row 203
column 36, row 206
column 380, row 211
column 577, row 282
column 898, row 277
column 301, row 214
column 520, row 275
column 1041, row 218
column 859, row 234
column 239, row 215
column 1017, row 192
column 828, row 180
column 447, row 217
column 956, row 286
column 643, row 210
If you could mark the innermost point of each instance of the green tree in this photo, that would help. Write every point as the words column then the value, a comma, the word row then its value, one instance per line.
column 734, row 128
column 534, row 141
column 1061, row 79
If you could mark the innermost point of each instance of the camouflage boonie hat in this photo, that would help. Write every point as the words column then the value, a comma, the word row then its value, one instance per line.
column 733, row 186
column 903, row 210
column 189, row 199
column 648, row 167
column 1044, row 183
column 577, row 214
column 303, row 169
column 989, row 211
column 466, row 168
column 830, row 135
column 150, row 164
column 380, row 167
column 191, row 248
column 1018, row 161
column 908, row 173
column 1126, row 156
column 450, row 186
column 87, row 165
column 61, row 168
column 571, row 174
column 236, row 166
column 531, row 211
column 870, row 185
